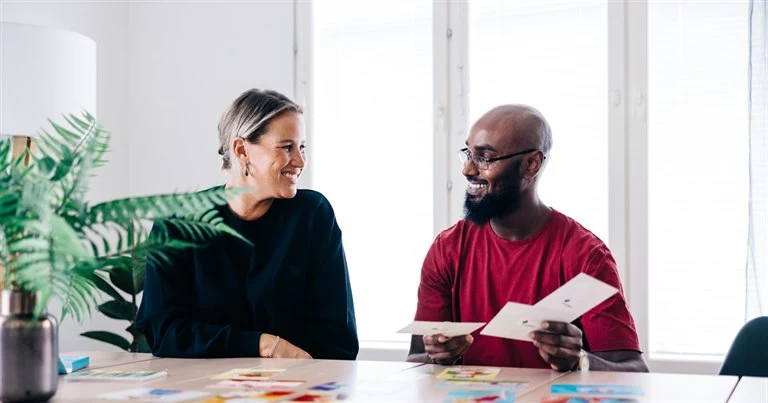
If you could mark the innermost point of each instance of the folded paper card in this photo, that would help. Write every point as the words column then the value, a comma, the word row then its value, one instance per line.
column 566, row 304
column 448, row 329
column 71, row 363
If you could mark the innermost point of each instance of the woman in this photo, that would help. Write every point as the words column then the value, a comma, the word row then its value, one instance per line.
column 288, row 295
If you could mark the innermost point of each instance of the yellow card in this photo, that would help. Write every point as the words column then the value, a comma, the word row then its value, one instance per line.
column 469, row 373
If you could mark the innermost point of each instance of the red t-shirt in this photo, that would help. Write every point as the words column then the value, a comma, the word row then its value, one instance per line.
column 470, row 273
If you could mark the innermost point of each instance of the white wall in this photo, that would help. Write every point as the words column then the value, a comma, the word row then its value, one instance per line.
column 107, row 24
column 166, row 71
column 188, row 62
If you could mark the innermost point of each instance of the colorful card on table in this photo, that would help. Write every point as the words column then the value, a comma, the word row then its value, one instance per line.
column 448, row 329
column 472, row 396
column 248, row 396
column 566, row 304
column 483, row 384
column 469, row 373
column 71, row 363
column 247, row 374
column 112, row 375
column 597, row 390
column 154, row 395
column 328, row 386
column 319, row 397
column 586, row 399
column 256, row 385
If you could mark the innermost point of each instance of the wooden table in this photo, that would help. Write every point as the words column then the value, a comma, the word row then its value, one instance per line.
column 750, row 390
column 370, row 381
column 655, row 387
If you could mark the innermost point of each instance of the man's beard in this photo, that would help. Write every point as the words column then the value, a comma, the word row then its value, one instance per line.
column 504, row 198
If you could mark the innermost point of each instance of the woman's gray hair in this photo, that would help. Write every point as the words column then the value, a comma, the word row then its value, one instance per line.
column 248, row 117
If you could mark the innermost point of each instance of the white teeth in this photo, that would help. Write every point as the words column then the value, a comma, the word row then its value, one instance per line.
column 292, row 176
column 477, row 185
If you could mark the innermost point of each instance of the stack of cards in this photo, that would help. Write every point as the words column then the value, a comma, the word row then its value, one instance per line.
column 256, row 385
column 564, row 393
column 250, row 396
column 154, row 395
column 484, row 384
column 327, row 392
column 112, row 375
column 472, row 396
column 249, row 374
column 474, row 373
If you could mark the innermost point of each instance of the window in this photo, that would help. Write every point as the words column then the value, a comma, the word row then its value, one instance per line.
column 698, row 174
column 554, row 57
column 372, row 149
column 375, row 157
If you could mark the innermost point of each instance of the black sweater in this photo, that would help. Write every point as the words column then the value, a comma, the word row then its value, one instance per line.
column 293, row 283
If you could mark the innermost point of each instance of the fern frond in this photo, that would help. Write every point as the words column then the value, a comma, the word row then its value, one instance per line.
column 123, row 211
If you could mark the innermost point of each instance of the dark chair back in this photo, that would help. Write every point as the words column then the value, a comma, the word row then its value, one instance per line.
column 748, row 355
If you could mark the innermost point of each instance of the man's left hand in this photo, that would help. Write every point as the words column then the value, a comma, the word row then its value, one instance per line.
column 559, row 344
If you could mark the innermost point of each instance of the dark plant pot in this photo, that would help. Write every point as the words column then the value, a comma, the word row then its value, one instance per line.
column 28, row 350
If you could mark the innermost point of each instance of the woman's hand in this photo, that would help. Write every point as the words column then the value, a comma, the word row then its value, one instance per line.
column 284, row 349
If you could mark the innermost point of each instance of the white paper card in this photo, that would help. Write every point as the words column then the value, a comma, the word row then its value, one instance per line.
column 577, row 296
column 448, row 329
column 566, row 304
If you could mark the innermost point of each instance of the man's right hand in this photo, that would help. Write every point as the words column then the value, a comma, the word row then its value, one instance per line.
column 446, row 350
column 284, row 349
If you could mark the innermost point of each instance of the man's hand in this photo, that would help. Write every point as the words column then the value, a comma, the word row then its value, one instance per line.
column 446, row 350
column 284, row 349
column 559, row 344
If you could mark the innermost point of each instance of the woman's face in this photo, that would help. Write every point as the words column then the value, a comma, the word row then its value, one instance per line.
column 277, row 160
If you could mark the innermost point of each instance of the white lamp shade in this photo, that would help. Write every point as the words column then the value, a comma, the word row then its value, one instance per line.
column 44, row 73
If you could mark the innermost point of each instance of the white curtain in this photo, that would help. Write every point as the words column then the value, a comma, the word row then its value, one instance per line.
column 757, row 257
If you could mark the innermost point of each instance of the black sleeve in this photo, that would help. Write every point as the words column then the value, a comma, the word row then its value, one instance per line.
column 331, row 309
column 173, row 329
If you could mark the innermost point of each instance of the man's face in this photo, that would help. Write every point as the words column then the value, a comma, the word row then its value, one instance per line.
column 496, row 190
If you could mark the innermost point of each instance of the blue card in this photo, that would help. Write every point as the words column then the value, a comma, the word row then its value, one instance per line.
column 597, row 390
column 71, row 363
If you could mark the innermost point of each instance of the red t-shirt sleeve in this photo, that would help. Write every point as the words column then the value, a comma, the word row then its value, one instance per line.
column 609, row 326
column 434, row 293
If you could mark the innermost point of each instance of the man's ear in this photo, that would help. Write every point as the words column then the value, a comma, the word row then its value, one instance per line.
column 533, row 165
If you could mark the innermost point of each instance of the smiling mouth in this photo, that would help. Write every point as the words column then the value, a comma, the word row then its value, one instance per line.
column 291, row 176
column 476, row 185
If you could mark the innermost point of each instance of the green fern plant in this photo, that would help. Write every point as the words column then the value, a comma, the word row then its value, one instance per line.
column 54, row 243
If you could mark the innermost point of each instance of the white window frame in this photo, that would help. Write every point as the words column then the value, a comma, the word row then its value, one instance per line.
column 627, row 130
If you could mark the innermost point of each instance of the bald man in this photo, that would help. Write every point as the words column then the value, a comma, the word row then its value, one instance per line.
column 512, row 247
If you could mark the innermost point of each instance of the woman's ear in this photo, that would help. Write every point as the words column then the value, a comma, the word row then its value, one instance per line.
column 239, row 150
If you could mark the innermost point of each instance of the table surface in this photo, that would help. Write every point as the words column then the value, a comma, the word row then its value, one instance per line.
column 376, row 381
column 750, row 390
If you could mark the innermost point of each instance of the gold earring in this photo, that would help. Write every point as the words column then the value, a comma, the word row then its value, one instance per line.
column 245, row 168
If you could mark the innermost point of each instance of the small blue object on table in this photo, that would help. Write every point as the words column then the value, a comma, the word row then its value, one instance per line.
column 72, row 363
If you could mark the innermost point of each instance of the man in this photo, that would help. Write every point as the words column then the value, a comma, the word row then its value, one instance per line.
column 512, row 247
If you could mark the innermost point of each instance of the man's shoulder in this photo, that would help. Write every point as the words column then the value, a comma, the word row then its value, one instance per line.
column 457, row 233
column 574, row 233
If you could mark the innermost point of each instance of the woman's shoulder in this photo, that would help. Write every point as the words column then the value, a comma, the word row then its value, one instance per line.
column 312, row 199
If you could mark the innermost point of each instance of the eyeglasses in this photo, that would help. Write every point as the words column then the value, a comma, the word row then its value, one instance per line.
column 482, row 162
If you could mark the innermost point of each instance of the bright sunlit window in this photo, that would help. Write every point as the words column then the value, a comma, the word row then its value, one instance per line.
column 698, row 174
column 372, row 148
column 553, row 56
